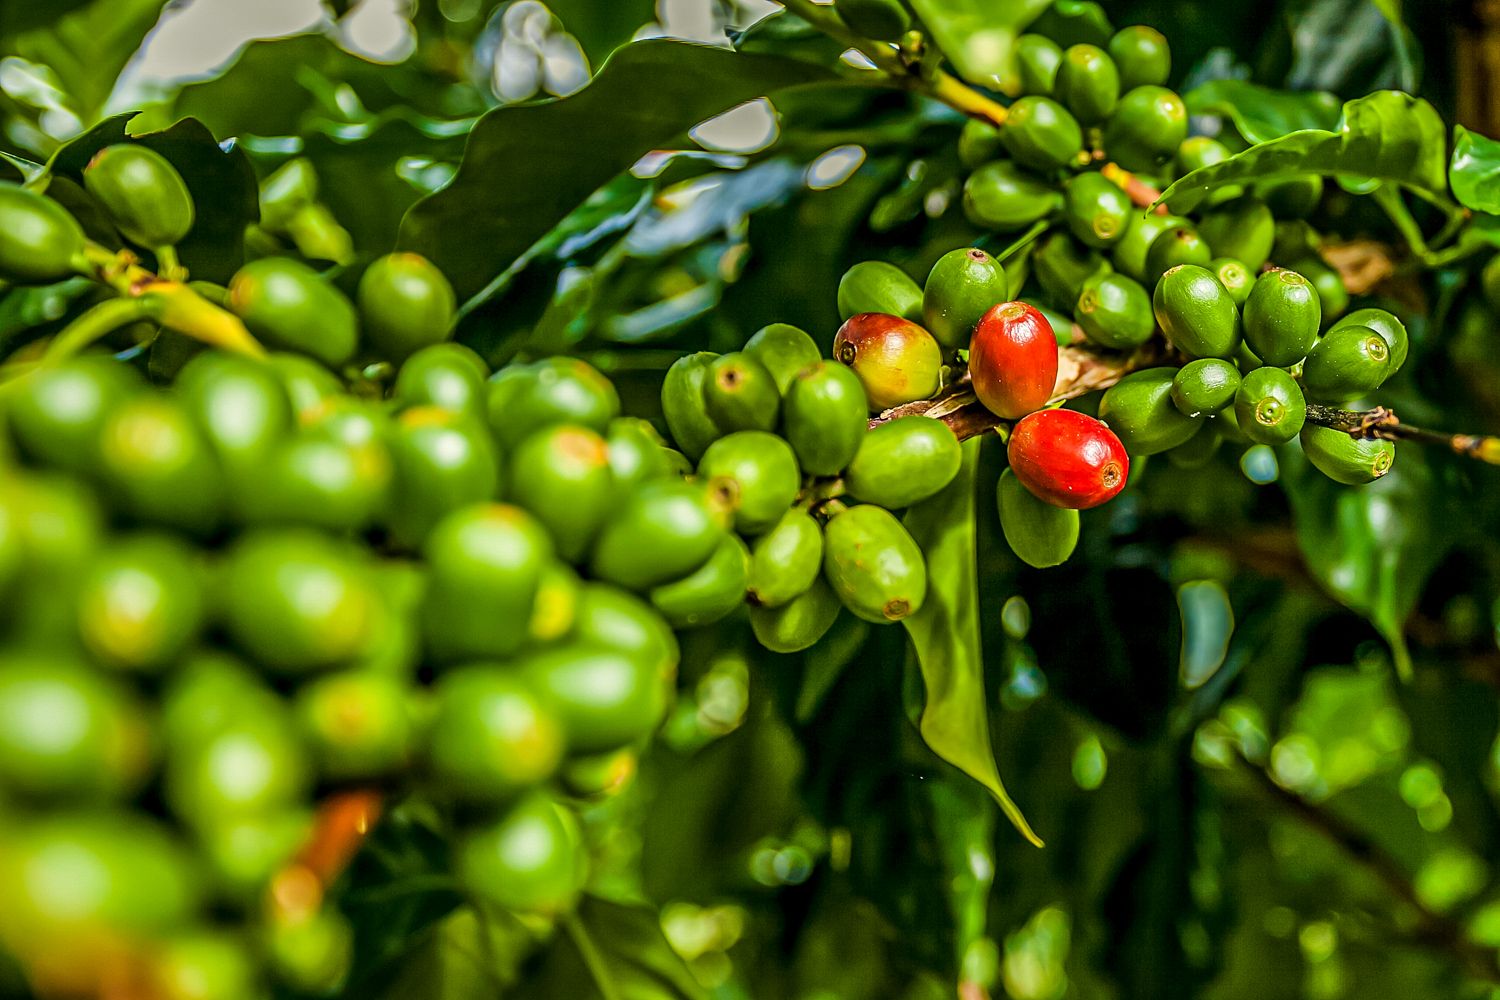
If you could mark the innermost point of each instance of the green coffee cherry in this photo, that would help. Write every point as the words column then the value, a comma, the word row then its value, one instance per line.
column 873, row 565
column 800, row 622
column 41, row 241
column 874, row 286
column 561, row 474
column 290, row 306
column 256, row 764
column 904, row 461
column 1147, row 126
column 1243, row 229
column 1205, row 386
column 56, row 413
column 143, row 193
column 442, row 462
column 157, row 466
column 740, row 394
column 530, row 860
column 785, row 561
column 1332, row 294
column 1292, row 197
column 491, row 735
column 141, row 605
column 1196, row 313
column 296, row 601
column 1345, row 459
column 310, row 953
column 1073, row 21
column 405, row 304
column 1176, row 246
column 1198, row 450
column 244, row 410
column 1040, row 534
column 978, row 142
column 611, row 618
column 485, row 564
column 1087, row 83
column 1097, row 211
column 357, row 724
column 884, row 20
column 309, row 386
column 1197, row 152
column 710, row 592
column 1062, row 265
column 1040, row 133
column 1002, row 197
column 1037, row 60
column 961, row 287
column 1346, row 364
column 1142, row 56
column 755, row 475
column 68, row 732
column 1269, row 407
column 683, row 405
column 1236, row 278
column 636, row 453
column 442, row 375
column 1115, row 312
column 605, row 698
column 785, row 350
column 1388, row 326
column 1139, row 409
column 824, row 417
column 1282, row 316
column 1129, row 252
column 552, row 391
column 665, row 530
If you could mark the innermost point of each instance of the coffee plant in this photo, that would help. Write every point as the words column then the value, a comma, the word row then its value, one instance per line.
column 880, row 498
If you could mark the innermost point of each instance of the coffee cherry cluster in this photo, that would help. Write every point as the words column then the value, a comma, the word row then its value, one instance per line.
column 262, row 581
column 782, row 438
column 1248, row 343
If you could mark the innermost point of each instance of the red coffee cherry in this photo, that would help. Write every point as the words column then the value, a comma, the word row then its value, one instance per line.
column 1068, row 458
column 896, row 360
column 1013, row 360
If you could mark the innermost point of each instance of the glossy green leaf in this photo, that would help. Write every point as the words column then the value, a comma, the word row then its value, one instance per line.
column 18, row 169
column 1474, row 171
column 1262, row 113
column 945, row 634
column 87, row 48
column 602, row 27
column 1388, row 136
column 1373, row 547
column 980, row 36
column 219, row 178
column 527, row 167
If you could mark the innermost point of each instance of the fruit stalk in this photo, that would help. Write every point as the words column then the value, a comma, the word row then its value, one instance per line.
column 932, row 81
column 1382, row 422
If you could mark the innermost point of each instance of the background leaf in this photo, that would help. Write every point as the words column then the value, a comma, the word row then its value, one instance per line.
column 527, row 167
column 1474, row 171
column 1387, row 136
column 945, row 635
column 89, row 47
column 1262, row 113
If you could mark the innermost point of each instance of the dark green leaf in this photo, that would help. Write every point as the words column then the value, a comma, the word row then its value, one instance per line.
column 945, row 634
column 602, row 27
column 980, row 36
column 19, row 169
column 1263, row 113
column 219, row 178
column 1372, row 547
column 89, row 47
column 1474, row 172
column 527, row 167
column 1388, row 136
column 19, row 17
